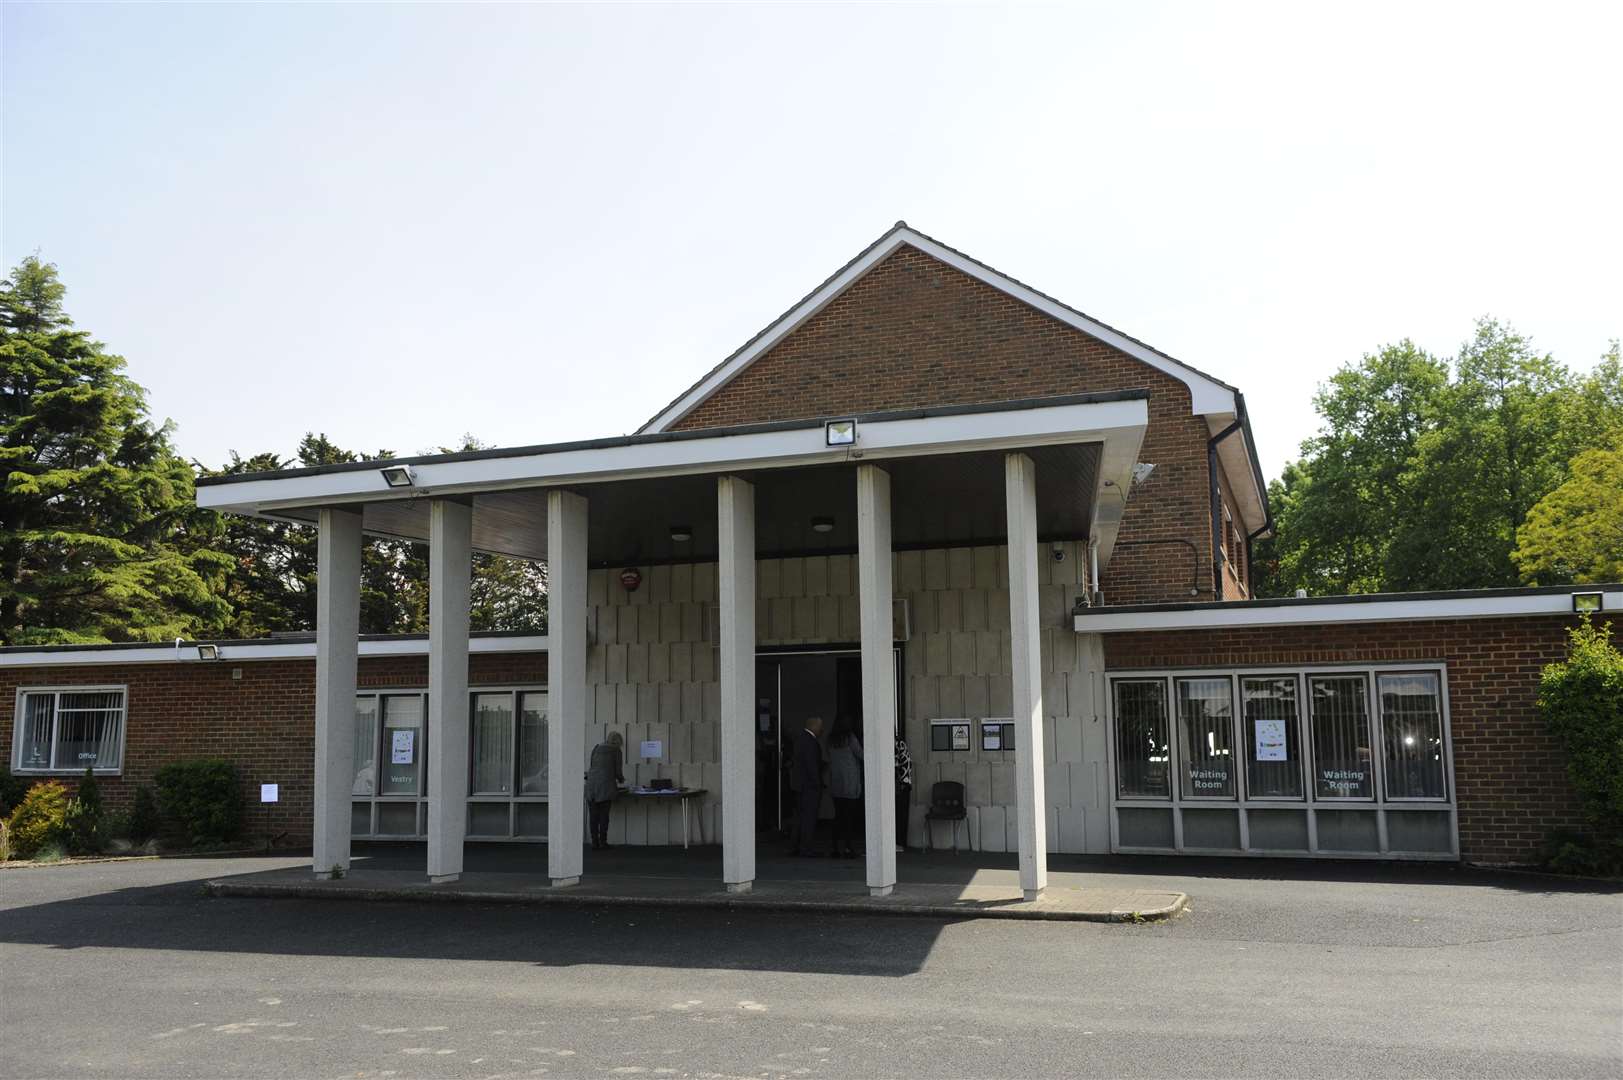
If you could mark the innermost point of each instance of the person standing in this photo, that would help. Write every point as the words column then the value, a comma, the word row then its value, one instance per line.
column 807, row 781
column 845, row 785
column 904, row 789
column 604, row 776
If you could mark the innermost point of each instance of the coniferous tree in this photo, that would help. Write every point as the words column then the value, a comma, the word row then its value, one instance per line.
column 100, row 539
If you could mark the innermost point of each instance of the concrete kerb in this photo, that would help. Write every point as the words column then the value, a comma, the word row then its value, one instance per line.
column 722, row 901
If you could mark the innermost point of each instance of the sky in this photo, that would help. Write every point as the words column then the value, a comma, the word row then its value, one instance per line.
column 400, row 224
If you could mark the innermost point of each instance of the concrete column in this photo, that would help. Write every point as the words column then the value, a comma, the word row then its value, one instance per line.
column 338, row 624
column 1025, row 654
column 450, row 570
column 874, row 591
column 735, row 502
column 566, row 685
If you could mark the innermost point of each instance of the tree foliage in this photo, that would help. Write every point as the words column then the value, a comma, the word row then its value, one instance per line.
column 1575, row 533
column 100, row 539
column 1425, row 472
column 272, row 582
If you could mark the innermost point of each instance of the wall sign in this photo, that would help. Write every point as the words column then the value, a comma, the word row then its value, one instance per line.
column 268, row 792
column 653, row 748
column 950, row 735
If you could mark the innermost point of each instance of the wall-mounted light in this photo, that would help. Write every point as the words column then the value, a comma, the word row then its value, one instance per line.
column 681, row 533
column 822, row 524
column 840, row 432
column 208, row 652
column 1586, row 603
column 398, row 476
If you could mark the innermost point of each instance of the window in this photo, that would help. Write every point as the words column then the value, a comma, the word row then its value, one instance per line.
column 1412, row 727
column 532, row 743
column 1143, row 752
column 366, row 746
column 1206, row 738
column 492, row 744
column 1342, row 761
column 70, row 730
column 1273, row 752
column 402, row 744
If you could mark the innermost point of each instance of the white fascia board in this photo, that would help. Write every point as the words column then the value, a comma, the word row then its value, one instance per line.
column 1206, row 395
column 1222, row 617
column 780, row 448
column 1234, row 455
column 257, row 650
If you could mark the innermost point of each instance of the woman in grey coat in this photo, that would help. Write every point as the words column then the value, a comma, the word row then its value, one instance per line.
column 604, row 776
column 845, row 784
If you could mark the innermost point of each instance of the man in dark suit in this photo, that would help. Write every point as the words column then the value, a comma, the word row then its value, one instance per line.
column 806, row 776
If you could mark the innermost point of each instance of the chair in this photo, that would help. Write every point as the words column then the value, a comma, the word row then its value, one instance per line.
column 947, row 804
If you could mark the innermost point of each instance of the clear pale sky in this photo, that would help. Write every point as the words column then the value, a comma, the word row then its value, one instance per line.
column 399, row 224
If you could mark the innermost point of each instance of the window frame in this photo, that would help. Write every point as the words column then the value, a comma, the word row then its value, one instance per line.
column 1304, row 763
column 1176, row 751
column 1169, row 721
column 1310, row 803
column 17, row 716
column 1444, row 730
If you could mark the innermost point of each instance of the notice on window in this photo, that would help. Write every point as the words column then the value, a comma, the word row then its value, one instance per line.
column 401, row 747
column 1271, row 740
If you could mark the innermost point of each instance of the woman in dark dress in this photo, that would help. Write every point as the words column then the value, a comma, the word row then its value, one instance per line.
column 604, row 776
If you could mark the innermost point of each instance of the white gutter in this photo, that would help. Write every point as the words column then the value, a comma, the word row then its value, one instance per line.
column 1307, row 613
column 253, row 650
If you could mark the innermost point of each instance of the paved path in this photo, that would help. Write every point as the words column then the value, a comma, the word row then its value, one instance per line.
column 128, row 970
column 935, row 886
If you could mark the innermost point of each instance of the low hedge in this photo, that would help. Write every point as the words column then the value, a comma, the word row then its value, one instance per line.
column 201, row 799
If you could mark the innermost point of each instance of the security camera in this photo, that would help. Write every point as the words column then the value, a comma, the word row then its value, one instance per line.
column 1059, row 552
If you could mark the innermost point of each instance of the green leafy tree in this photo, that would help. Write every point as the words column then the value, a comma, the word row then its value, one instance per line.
column 1581, row 699
column 100, row 539
column 1503, row 439
column 1575, row 533
column 1338, row 510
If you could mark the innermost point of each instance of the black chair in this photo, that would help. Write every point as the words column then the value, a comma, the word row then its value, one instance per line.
column 947, row 804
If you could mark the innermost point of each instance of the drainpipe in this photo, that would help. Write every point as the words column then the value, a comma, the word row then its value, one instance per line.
column 1097, row 594
column 1217, row 511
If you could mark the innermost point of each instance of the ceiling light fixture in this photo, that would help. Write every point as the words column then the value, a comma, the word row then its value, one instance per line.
column 822, row 524
column 681, row 533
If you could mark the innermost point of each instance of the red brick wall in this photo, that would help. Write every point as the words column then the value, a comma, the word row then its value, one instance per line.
column 264, row 723
column 914, row 332
column 1510, row 773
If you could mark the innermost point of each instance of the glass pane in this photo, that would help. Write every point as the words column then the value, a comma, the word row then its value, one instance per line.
column 532, row 745
column 492, row 744
column 403, row 745
column 1341, row 752
column 1143, row 751
column 87, row 730
column 1412, row 725
column 1273, row 753
column 34, row 751
column 1206, row 737
column 366, row 746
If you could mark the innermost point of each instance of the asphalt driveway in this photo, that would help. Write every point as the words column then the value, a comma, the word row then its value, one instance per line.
column 1280, row 969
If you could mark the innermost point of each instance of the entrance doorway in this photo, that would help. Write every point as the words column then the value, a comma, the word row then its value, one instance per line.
column 791, row 686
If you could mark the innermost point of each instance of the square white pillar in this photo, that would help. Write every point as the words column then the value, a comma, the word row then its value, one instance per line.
column 566, row 685
column 1025, row 654
column 735, row 505
column 450, row 571
column 338, row 624
column 874, row 593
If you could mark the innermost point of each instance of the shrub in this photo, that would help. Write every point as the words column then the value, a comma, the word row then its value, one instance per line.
column 39, row 821
column 202, row 799
column 142, row 822
column 5, row 840
column 85, row 817
column 1581, row 698
column 12, row 790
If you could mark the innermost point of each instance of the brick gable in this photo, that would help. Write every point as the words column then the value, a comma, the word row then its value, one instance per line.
column 914, row 332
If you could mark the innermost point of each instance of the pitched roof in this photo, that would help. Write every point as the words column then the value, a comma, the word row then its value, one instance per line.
column 1208, row 394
